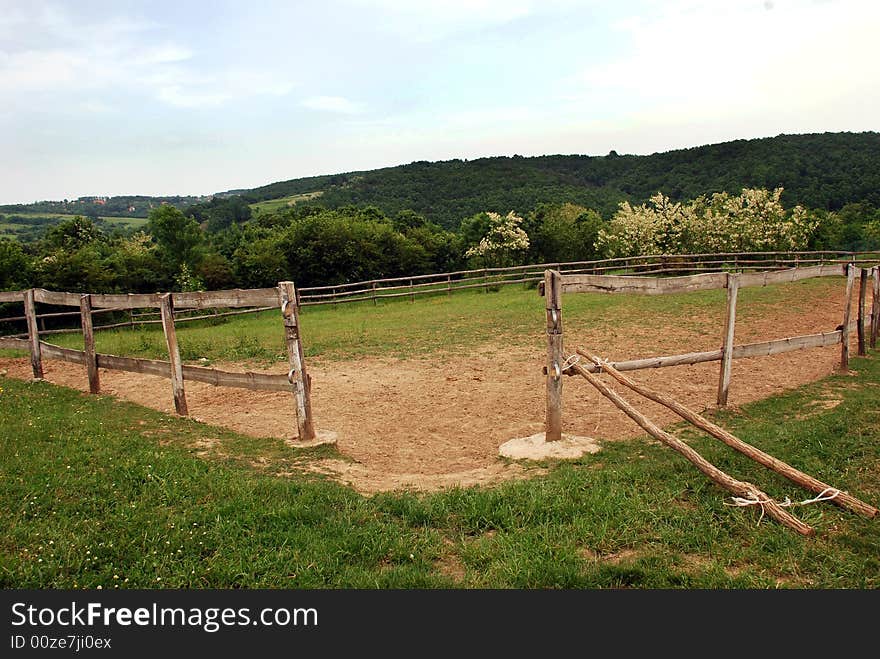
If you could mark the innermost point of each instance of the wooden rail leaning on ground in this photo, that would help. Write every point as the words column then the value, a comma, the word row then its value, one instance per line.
column 284, row 297
column 739, row 488
column 842, row 498
column 556, row 283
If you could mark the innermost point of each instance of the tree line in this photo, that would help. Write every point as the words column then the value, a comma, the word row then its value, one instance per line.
column 223, row 245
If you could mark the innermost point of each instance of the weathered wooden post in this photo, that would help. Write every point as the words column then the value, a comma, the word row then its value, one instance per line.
column 875, row 308
column 30, row 313
column 863, row 291
column 555, row 357
column 844, row 327
column 297, row 375
column 85, row 311
column 727, row 348
column 166, row 309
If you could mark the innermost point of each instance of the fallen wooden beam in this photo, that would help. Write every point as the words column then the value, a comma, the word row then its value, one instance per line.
column 804, row 480
column 742, row 489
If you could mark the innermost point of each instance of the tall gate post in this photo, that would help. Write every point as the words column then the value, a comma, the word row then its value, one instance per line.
column 297, row 375
column 555, row 358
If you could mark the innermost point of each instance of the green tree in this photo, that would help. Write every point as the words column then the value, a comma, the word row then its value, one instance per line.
column 179, row 237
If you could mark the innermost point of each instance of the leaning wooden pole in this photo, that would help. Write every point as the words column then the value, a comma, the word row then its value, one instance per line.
column 30, row 313
column 553, row 308
column 297, row 375
column 804, row 480
column 863, row 290
column 85, row 310
column 844, row 327
column 739, row 488
column 727, row 348
column 166, row 309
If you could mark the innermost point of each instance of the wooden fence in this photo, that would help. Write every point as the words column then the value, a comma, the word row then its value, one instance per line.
column 445, row 283
column 556, row 283
column 284, row 296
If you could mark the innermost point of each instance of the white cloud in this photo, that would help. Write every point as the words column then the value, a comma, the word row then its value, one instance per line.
column 335, row 104
column 692, row 62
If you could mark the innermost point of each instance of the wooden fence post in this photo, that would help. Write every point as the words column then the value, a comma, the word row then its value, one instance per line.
column 844, row 327
column 875, row 307
column 727, row 348
column 375, row 302
column 85, row 310
column 412, row 296
column 863, row 290
column 555, row 356
column 297, row 375
column 167, row 310
column 30, row 313
column 448, row 285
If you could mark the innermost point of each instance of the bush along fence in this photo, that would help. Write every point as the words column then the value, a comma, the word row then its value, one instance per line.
column 284, row 296
column 745, row 494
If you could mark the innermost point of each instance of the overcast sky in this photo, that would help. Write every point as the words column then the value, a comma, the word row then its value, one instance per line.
column 173, row 97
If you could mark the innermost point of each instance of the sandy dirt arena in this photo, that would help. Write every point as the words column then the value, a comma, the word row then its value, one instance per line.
column 439, row 421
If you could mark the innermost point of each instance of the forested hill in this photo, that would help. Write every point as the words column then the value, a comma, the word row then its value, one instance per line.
column 822, row 171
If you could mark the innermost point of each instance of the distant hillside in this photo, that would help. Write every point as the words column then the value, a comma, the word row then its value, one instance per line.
column 117, row 207
column 825, row 170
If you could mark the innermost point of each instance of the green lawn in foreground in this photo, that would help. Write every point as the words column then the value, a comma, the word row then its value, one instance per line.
column 98, row 492
column 441, row 323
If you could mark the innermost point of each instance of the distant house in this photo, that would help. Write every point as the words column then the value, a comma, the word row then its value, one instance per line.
column 131, row 209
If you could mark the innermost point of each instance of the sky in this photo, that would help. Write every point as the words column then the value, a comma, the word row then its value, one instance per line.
column 192, row 98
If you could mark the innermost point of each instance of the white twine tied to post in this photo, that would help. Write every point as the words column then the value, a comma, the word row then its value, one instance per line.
column 571, row 361
column 753, row 500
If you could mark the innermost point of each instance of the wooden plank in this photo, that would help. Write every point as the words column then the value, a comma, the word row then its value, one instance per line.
column 246, row 380
column 727, row 346
column 297, row 374
column 739, row 488
column 177, row 388
column 126, row 300
column 875, row 307
column 135, row 365
column 790, row 275
column 553, row 306
column 233, row 298
column 12, row 296
column 645, row 285
column 30, row 312
column 860, row 316
column 779, row 346
column 52, row 297
column 844, row 326
column 10, row 343
column 842, row 498
column 64, row 354
column 85, row 308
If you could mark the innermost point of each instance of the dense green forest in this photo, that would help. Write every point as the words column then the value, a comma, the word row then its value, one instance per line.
column 434, row 217
column 819, row 171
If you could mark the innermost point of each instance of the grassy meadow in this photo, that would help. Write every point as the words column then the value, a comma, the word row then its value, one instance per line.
column 103, row 493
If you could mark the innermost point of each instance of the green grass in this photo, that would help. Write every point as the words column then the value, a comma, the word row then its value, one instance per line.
column 434, row 325
column 98, row 492
column 283, row 203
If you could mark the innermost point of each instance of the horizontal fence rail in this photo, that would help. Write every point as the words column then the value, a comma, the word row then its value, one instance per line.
column 142, row 308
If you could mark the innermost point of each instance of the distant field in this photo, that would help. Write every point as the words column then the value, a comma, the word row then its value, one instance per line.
column 273, row 205
column 15, row 230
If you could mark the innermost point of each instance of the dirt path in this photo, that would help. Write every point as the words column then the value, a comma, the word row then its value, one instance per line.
column 429, row 423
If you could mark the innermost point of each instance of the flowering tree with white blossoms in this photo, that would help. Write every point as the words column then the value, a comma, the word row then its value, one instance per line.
column 504, row 242
column 753, row 221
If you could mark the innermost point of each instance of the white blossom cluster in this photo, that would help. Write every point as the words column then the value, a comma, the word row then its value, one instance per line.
column 752, row 221
column 504, row 237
